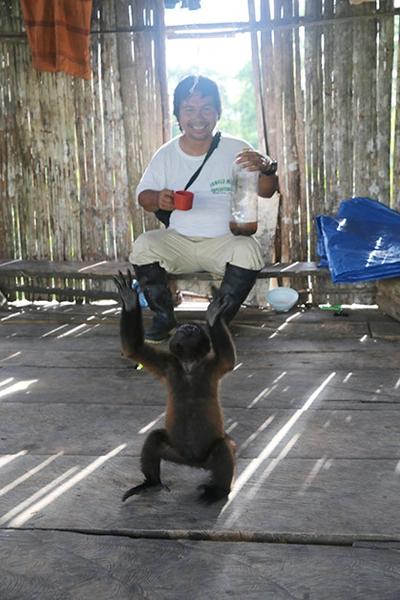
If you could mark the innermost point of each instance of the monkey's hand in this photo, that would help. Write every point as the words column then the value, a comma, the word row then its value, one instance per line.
column 221, row 340
column 145, row 487
column 128, row 295
column 216, row 306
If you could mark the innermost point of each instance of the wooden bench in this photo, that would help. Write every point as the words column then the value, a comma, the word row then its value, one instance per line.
column 93, row 280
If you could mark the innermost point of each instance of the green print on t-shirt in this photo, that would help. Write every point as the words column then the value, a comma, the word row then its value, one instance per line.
column 220, row 186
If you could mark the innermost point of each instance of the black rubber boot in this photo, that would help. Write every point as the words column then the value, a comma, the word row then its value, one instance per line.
column 153, row 282
column 237, row 283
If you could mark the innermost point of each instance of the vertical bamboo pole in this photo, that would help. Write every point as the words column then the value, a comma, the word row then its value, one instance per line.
column 330, row 128
column 289, row 180
column 396, row 152
column 7, row 232
column 343, row 117
column 298, row 58
column 160, row 67
column 380, row 171
column 314, row 120
column 364, row 104
column 258, row 92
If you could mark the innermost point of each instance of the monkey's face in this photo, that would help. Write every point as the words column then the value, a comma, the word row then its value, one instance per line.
column 189, row 343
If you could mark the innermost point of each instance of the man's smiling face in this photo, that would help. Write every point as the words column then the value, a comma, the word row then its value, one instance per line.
column 198, row 117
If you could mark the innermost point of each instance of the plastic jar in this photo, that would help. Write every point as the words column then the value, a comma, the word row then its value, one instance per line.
column 244, row 200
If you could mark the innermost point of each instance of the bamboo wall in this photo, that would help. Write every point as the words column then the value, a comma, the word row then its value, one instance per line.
column 328, row 103
column 72, row 151
column 330, row 87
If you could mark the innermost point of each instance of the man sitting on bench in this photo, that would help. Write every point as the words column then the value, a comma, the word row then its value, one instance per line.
column 198, row 239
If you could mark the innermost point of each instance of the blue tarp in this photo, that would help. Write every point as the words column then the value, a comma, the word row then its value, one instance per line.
column 362, row 243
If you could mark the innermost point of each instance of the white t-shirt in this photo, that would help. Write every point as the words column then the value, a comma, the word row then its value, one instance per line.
column 171, row 168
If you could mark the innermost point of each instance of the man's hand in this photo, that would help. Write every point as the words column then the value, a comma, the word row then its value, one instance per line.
column 166, row 199
column 253, row 161
column 152, row 200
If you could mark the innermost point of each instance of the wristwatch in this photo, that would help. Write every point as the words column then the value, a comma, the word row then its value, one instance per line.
column 272, row 169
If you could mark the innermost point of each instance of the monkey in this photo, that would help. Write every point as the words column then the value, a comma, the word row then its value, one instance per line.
column 191, row 369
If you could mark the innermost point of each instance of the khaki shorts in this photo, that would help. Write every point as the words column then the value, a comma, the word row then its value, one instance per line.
column 178, row 253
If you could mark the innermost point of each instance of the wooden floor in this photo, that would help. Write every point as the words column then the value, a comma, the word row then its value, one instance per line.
column 314, row 407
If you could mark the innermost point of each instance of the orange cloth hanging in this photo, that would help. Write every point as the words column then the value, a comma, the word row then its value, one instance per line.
column 59, row 35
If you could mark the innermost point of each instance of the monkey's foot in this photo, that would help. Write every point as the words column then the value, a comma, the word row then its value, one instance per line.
column 146, row 486
column 212, row 493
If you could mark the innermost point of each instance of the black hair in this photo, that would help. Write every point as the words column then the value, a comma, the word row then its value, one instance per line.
column 190, row 85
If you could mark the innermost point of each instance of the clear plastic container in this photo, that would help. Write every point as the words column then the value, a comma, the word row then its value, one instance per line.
column 244, row 200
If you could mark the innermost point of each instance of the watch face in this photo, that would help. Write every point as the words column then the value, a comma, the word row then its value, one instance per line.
column 272, row 169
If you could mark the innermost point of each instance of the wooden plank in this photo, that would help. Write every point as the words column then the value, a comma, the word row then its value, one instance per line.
column 386, row 331
column 109, row 312
column 325, row 291
column 106, row 269
column 67, row 277
column 68, row 360
column 120, row 385
column 388, row 297
column 292, row 389
column 286, row 386
column 61, row 292
column 80, row 426
column 311, row 496
column 53, row 312
column 314, row 355
column 390, row 308
column 104, row 567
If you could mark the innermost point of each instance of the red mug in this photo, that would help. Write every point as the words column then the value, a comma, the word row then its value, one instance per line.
column 183, row 200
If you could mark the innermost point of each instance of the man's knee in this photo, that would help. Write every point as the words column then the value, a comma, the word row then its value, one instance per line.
column 145, row 248
column 246, row 253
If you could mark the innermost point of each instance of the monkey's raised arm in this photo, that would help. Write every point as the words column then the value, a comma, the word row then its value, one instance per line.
column 223, row 346
column 132, row 331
